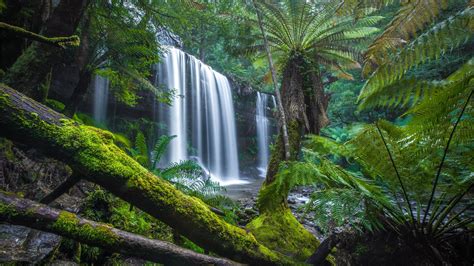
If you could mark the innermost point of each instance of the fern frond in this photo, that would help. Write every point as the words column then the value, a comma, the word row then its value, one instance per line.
column 412, row 17
column 160, row 148
column 444, row 36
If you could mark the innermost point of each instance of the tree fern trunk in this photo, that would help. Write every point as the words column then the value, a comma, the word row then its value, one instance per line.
column 281, row 110
column 294, row 105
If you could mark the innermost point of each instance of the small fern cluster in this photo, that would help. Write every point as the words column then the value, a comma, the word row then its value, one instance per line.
column 186, row 175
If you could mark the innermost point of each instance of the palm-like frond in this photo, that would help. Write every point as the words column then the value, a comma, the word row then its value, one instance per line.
column 301, row 27
column 410, row 91
column 412, row 17
column 444, row 36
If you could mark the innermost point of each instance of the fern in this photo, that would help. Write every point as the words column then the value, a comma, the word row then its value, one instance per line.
column 314, row 30
column 412, row 17
column 394, row 186
column 442, row 37
column 160, row 148
column 186, row 175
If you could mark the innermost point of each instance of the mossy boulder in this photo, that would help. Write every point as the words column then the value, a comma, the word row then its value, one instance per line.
column 280, row 231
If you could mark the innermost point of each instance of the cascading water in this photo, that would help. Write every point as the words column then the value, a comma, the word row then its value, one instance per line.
column 101, row 98
column 201, row 116
column 263, row 131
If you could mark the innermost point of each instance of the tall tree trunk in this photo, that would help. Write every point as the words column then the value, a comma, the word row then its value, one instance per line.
column 79, row 93
column 281, row 110
column 294, row 106
column 31, row 68
column 92, row 154
column 319, row 102
column 85, row 73
column 38, row 216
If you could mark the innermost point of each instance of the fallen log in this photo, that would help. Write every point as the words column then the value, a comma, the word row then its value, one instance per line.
column 61, row 189
column 92, row 154
column 28, row 213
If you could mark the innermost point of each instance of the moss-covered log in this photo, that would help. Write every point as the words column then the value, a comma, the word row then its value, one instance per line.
column 38, row 216
column 91, row 153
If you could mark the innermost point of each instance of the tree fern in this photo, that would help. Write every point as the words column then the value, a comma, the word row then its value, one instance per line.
column 442, row 37
column 412, row 17
column 399, row 173
column 314, row 30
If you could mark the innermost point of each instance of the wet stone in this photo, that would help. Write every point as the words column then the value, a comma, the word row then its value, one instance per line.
column 21, row 244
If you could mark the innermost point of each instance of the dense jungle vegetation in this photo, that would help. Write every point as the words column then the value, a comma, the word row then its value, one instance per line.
column 371, row 143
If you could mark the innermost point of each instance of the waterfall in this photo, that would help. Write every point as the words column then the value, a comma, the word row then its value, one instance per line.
column 101, row 98
column 201, row 116
column 263, row 131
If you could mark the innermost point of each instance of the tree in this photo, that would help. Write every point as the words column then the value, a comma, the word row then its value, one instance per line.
column 281, row 111
column 307, row 39
column 412, row 180
column 114, row 45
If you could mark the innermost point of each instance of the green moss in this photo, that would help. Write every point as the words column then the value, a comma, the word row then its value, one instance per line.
column 7, row 210
column 280, row 231
column 92, row 152
column 68, row 224
column 6, row 147
column 55, row 105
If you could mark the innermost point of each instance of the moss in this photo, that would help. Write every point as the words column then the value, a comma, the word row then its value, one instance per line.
column 7, row 210
column 55, row 105
column 280, row 231
column 6, row 147
column 93, row 154
column 68, row 224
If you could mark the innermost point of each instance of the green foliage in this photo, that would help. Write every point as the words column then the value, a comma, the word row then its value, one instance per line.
column 122, row 48
column 55, row 105
column 442, row 37
column 84, row 119
column 122, row 141
column 3, row 5
column 315, row 30
column 103, row 206
column 141, row 149
column 160, row 148
column 186, row 175
column 401, row 177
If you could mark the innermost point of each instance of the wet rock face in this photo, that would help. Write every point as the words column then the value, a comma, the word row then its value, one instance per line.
column 166, row 37
column 33, row 176
column 21, row 244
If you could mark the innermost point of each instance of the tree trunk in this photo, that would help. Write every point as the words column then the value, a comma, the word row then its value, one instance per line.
column 318, row 103
column 92, row 154
column 79, row 93
column 85, row 73
column 30, row 69
column 294, row 105
column 281, row 110
column 38, row 216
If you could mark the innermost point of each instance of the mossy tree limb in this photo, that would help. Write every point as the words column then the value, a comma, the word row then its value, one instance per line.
column 91, row 153
column 38, row 216
column 33, row 65
column 55, row 41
